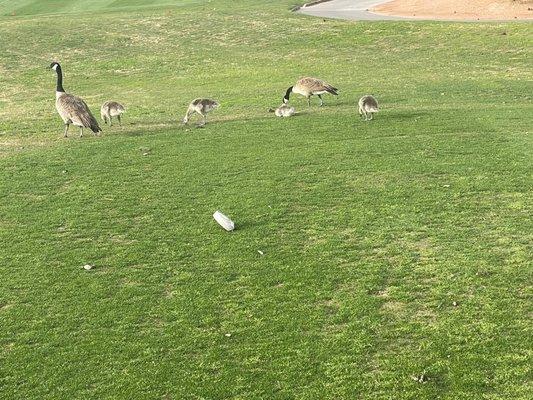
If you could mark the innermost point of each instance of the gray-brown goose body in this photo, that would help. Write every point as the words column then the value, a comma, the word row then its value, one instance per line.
column 308, row 87
column 72, row 109
column 368, row 105
column 111, row 109
column 202, row 107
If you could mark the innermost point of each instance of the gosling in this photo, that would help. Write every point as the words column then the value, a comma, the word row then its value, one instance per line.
column 368, row 105
column 202, row 107
column 283, row 111
column 111, row 109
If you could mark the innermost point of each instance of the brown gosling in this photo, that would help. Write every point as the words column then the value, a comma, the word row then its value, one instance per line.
column 202, row 107
column 72, row 109
column 368, row 105
column 308, row 87
column 111, row 109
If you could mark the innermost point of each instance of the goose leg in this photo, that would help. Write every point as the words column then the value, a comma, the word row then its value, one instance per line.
column 110, row 121
column 119, row 121
column 204, row 119
column 81, row 131
column 308, row 101
column 66, row 130
column 321, row 101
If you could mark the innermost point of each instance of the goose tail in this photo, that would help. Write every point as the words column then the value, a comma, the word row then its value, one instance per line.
column 332, row 90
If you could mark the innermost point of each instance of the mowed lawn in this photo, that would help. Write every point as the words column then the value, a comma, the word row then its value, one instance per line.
column 394, row 251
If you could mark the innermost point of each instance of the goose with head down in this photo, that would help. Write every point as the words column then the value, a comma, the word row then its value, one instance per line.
column 111, row 109
column 368, row 105
column 308, row 87
column 202, row 107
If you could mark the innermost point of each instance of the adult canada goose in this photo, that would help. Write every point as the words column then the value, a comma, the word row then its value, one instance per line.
column 308, row 87
column 368, row 105
column 72, row 109
column 111, row 109
column 202, row 107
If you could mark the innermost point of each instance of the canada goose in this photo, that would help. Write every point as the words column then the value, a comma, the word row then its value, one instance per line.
column 368, row 105
column 308, row 87
column 283, row 111
column 72, row 109
column 202, row 107
column 111, row 109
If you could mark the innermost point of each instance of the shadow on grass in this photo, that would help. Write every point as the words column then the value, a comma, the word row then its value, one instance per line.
column 404, row 115
column 135, row 129
column 248, row 224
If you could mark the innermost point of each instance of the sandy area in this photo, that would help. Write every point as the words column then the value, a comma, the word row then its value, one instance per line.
column 459, row 9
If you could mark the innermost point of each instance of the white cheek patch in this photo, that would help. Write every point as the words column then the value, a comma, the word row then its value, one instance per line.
column 54, row 67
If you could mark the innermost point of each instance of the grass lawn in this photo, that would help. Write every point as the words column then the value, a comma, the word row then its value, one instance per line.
column 370, row 231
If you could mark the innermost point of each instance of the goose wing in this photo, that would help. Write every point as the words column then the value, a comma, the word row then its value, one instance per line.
column 372, row 102
column 369, row 101
column 317, row 85
column 204, row 102
column 113, row 105
column 77, row 111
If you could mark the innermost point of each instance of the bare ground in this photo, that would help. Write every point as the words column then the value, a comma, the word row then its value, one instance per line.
column 459, row 9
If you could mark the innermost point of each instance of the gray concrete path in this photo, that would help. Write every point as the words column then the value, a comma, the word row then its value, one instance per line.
column 349, row 9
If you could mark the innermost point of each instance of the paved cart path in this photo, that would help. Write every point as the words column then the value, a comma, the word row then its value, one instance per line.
column 348, row 9
column 428, row 10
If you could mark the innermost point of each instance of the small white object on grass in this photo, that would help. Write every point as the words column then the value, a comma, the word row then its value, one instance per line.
column 87, row 267
column 260, row 252
column 224, row 221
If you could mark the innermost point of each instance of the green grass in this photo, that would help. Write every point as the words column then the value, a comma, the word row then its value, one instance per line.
column 40, row 7
column 370, row 231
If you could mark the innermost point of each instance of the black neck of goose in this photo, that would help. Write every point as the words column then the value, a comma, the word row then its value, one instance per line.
column 289, row 91
column 59, row 87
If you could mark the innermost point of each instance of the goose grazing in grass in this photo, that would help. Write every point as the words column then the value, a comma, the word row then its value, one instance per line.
column 111, row 109
column 72, row 109
column 368, row 105
column 308, row 87
column 283, row 111
column 202, row 107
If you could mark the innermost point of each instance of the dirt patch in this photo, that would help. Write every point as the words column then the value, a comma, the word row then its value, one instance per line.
column 459, row 9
